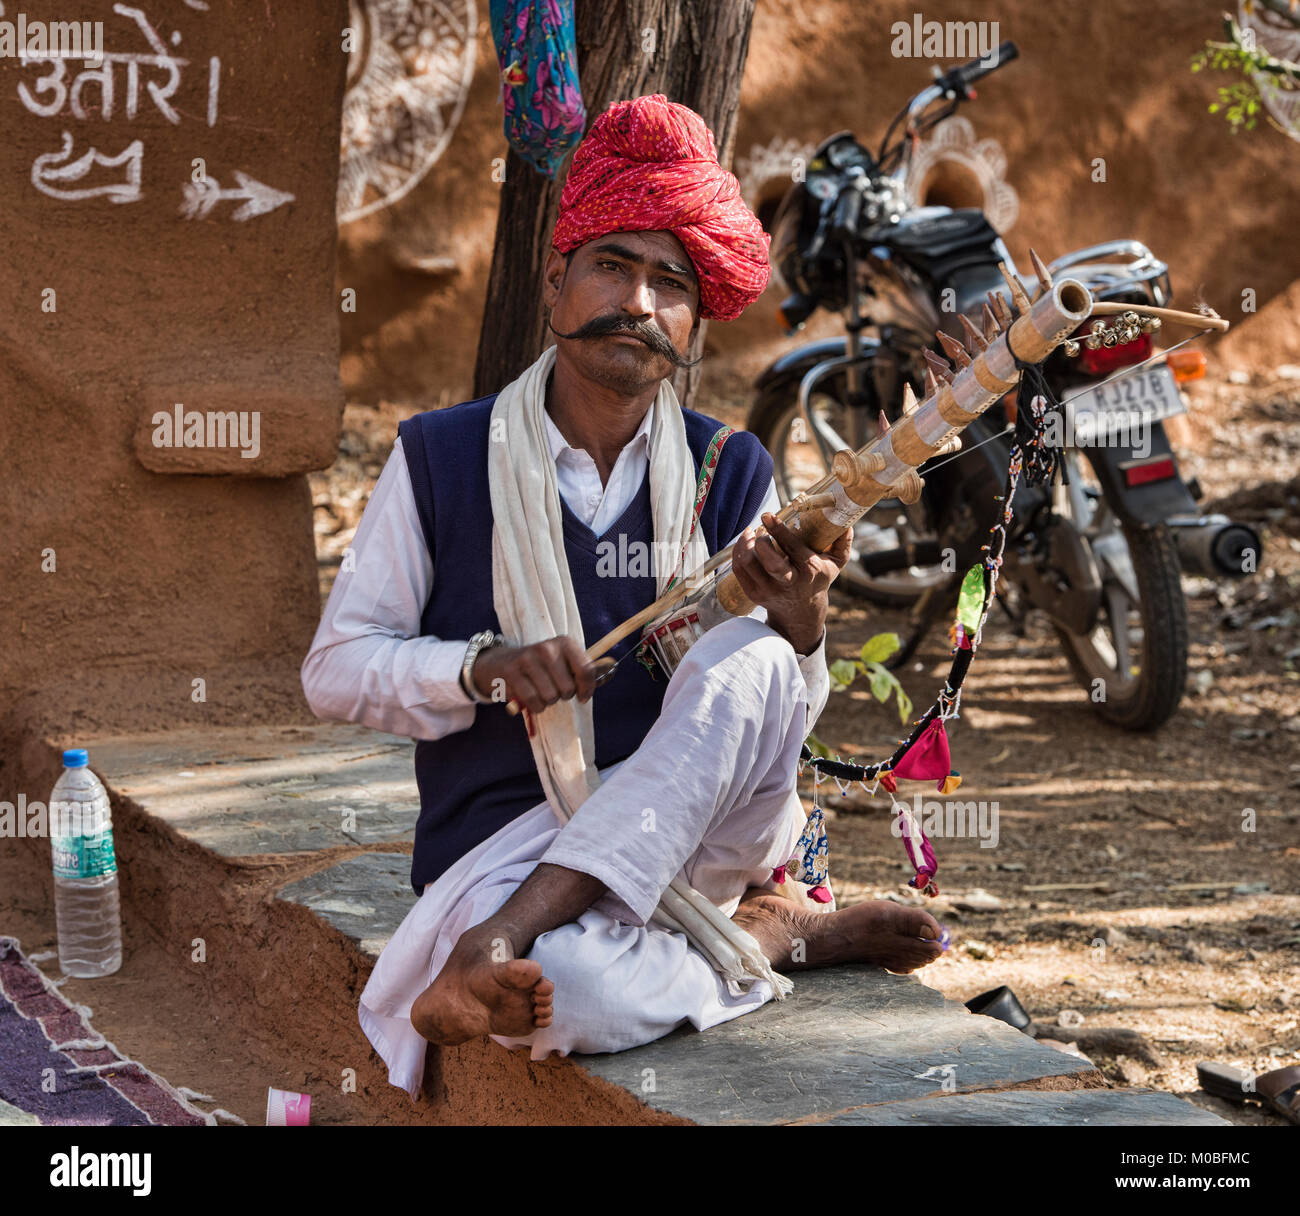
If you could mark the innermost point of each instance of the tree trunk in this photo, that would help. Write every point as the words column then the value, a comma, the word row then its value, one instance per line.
column 692, row 51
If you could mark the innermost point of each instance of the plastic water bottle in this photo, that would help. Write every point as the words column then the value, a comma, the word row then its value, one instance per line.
column 85, row 872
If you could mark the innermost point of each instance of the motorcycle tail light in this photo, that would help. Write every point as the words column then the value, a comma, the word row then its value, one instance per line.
column 1105, row 359
column 1159, row 469
column 1186, row 365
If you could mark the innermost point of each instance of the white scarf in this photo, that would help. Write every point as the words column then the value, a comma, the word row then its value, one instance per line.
column 534, row 599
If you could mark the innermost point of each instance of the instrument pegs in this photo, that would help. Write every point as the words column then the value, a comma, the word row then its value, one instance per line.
column 852, row 469
column 974, row 339
column 908, row 488
column 1000, row 310
column 1019, row 296
column 990, row 322
column 954, row 349
column 1041, row 273
column 939, row 366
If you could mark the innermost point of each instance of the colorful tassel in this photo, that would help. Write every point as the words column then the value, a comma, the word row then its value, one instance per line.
column 810, row 862
column 919, row 850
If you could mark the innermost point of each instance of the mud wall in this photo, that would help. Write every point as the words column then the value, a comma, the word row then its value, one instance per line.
column 1106, row 80
column 170, row 244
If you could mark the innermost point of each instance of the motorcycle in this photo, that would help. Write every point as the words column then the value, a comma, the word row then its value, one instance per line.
column 1100, row 551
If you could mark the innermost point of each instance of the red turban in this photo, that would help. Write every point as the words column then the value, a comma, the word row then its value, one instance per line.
column 650, row 165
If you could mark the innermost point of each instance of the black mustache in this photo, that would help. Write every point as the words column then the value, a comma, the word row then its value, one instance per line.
column 654, row 338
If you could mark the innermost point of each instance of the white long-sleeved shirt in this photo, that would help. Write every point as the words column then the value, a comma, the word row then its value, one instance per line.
column 368, row 662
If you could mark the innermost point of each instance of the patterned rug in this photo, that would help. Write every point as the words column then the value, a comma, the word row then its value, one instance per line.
column 55, row 1069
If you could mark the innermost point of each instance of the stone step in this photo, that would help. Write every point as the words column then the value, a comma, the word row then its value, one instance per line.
column 851, row 1045
column 244, row 792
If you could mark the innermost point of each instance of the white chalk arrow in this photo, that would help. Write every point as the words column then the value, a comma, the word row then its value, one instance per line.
column 256, row 198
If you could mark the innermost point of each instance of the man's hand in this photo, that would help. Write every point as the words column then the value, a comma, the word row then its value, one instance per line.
column 535, row 676
column 781, row 573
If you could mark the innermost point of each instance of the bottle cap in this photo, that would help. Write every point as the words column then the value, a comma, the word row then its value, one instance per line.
column 75, row 757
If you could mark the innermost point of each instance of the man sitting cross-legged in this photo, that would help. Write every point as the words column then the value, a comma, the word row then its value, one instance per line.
column 546, row 840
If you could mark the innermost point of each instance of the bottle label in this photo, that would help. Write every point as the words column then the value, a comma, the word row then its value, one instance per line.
column 89, row 856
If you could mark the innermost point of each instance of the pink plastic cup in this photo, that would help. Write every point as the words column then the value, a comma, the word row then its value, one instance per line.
column 284, row 1108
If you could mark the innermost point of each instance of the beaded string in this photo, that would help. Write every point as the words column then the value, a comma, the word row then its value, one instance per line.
column 1034, row 402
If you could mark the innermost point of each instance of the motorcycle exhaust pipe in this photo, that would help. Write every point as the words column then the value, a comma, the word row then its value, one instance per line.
column 886, row 561
column 1213, row 546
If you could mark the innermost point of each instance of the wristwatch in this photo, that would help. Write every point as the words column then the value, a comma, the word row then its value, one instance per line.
column 481, row 641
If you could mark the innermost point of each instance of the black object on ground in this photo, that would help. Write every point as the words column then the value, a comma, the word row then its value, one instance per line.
column 1000, row 1003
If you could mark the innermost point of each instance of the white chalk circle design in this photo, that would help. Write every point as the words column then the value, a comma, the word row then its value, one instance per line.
column 954, row 162
column 770, row 168
column 408, row 77
column 1281, row 40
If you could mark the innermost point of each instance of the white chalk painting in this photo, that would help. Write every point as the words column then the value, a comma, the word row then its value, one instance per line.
column 1281, row 40
column 408, row 78
column 767, row 171
column 769, row 168
column 954, row 143
column 103, row 88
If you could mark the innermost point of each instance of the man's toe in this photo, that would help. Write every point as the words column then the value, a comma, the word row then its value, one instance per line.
column 519, row 973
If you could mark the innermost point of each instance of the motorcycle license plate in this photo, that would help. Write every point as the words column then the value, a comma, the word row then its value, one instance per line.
column 1145, row 396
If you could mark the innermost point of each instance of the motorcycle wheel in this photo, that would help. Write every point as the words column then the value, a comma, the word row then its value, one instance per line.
column 1138, row 650
column 798, row 464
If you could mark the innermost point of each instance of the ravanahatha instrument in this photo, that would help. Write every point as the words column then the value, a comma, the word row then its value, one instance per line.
column 1014, row 336
column 1011, row 343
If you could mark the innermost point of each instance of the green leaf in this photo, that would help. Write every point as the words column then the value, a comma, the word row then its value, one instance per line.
column 879, row 648
column 883, row 682
column 904, row 705
column 970, row 601
column 842, row 673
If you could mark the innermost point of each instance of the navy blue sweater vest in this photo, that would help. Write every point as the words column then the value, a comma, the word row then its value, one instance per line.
column 475, row 781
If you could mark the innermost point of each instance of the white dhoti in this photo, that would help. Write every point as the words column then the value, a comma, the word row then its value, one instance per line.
column 709, row 794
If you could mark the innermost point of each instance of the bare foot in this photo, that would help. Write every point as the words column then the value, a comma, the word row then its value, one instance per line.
column 474, row 996
column 877, row 931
